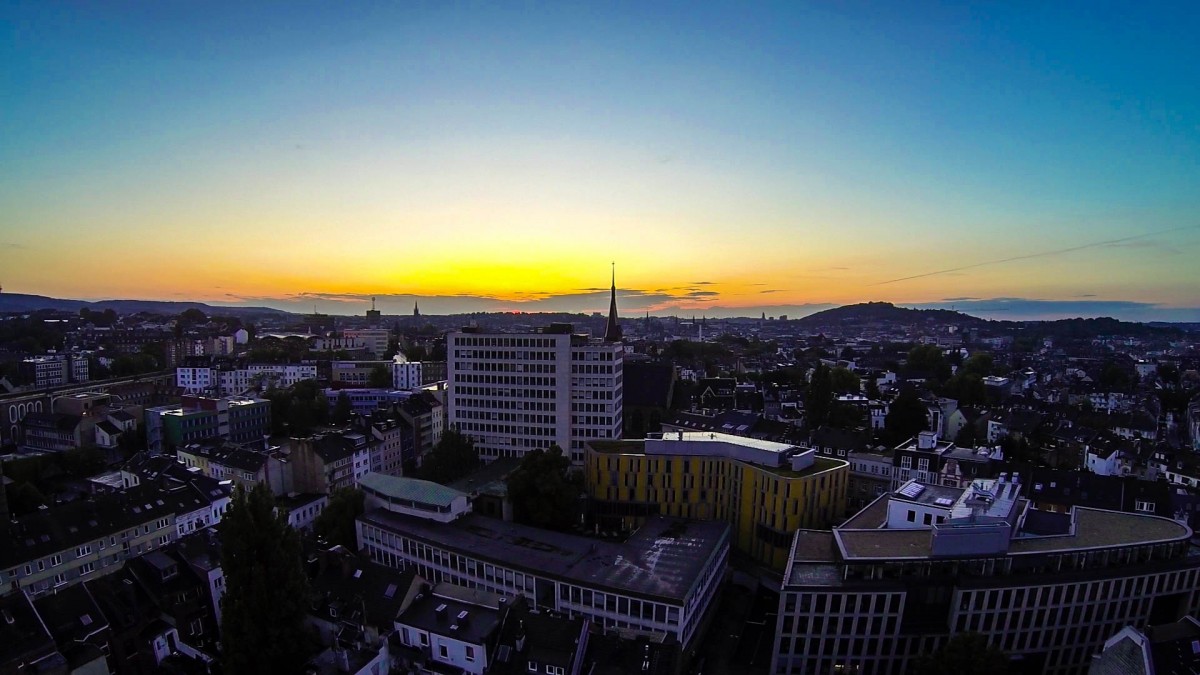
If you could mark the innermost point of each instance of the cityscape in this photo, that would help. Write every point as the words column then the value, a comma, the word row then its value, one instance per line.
column 567, row 339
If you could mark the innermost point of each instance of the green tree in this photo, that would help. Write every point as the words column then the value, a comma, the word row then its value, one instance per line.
column 873, row 388
column 336, row 522
column 964, row 653
column 542, row 491
column 342, row 409
column 265, row 601
column 380, row 377
column 193, row 316
column 83, row 462
column 928, row 359
column 452, row 458
column 819, row 399
column 979, row 364
column 907, row 416
column 844, row 381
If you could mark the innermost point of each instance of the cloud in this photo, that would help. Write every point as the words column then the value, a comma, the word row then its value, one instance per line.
column 772, row 290
column 13, row 244
column 958, row 299
column 1042, row 254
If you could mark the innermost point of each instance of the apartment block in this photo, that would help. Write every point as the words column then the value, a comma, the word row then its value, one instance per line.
column 197, row 418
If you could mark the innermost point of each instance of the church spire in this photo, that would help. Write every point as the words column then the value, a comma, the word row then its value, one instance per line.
column 612, row 332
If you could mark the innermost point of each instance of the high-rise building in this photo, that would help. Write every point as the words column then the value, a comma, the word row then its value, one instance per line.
column 515, row 392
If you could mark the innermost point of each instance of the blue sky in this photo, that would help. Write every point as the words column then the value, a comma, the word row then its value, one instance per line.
column 828, row 153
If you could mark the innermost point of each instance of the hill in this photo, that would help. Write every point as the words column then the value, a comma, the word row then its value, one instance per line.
column 21, row 303
column 885, row 312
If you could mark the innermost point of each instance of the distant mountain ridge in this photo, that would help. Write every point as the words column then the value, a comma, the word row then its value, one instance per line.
column 21, row 302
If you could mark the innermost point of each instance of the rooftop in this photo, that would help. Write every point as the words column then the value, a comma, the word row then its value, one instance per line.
column 663, row 559
column 410, row 489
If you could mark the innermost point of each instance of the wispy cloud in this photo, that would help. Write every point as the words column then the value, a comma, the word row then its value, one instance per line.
column 1033, row 309
column 1041, row 254
column 13, row 244
column 772, row 290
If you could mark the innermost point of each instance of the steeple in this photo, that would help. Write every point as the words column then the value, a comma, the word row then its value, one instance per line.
column 416, row 309
column 612, row 332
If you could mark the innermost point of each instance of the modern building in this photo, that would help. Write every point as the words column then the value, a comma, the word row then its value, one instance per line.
column 516, row 392
column 375, row 339
column 927, row 562
column 355, row 374
column 226, row 377
column 661, row 581
column 196, row 418
column 406, row 375
column 764, row 490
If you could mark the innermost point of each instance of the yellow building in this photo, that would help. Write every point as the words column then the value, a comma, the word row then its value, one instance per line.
column 765, row 490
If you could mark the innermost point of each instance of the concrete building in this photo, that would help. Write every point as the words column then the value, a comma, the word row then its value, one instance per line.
column 374, row 339
column 764, row 490
column 406, row 375
column 928, row 562
column 414, row 497
column 54, row 370
column 357, row 374
column 660, row 581
column 331, row 461
column 516, row 392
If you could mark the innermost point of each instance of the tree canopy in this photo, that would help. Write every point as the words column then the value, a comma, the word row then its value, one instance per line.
column 452, row 458
column 818, row 401
column 907, row 416
column 380, row 377
column 542, row 490
column 266, row 590
column 336, row 522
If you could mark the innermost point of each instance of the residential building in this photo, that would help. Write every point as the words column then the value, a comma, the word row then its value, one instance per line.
column 244, row 466
column 929, row 459
column 764, row 490
column 301, row 510
column 927, row 562
column 1156, row 650
column 455, row 627
column 56, row 432
column 329, row 461
column 197, row 418
column 513, row 393
column 357, row 374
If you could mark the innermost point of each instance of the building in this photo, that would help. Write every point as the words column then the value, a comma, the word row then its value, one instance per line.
column 56, row 432
column 406, row 375
column 928, row 459
column 1157, row 650
column 196, row 418
column 660, row 581
column 241, row 465
column 927, row 562
column 202, row 499
column 224, row 377
column 67, row 544
column 356, row 374
column 376, row 340
column 54, row 370
column 516, row 392
column 764, row 490
column 331, row 461
column 414, row 497
column 456, row 627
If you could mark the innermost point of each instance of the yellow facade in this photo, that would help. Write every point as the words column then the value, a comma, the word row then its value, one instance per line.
column 764, row 505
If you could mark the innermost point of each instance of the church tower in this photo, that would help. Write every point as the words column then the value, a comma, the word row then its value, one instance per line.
column 612, row 332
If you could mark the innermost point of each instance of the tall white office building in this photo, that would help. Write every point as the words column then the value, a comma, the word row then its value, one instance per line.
column 514, row 392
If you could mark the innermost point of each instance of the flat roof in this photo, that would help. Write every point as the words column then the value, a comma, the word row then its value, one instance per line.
column 663, row 559
column 1091, row 529
column 717, row 437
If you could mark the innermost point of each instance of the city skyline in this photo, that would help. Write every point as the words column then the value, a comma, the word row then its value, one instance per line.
column 1009, row 162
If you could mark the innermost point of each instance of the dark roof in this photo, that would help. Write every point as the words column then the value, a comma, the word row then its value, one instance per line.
column 229, row 454
column 108, row 427
column 121, row 416
column 24, row 639
column 59, row 528
column 610, row 654
column 439, row 610
column 549, row 639
column 49, row 420
column 1173, row 646
column 333, row 448
column 71, row 614
column 361, row 591
column 662, row 560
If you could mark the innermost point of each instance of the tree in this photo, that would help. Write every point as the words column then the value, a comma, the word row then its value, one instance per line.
column 907, row 416
column 336, row 522
column 819, row 399
column 928, row 359
column 83, row 462
column 342, row 409
column 193, row 316
column 873, row 388
column 844, row 381
column 266, row 592
column 452, row 458
column 964, row 653
column 380, row 377
column 542, row 491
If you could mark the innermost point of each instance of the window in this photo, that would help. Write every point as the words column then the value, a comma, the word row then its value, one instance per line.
column 912, row 516
column 906, row 462
column 470, row 653
column 443, row 652
column 55, row 560
column 87, row 568
column 533, row 666
column 60, row 579
column 196, row 627
column 1143, row 507
column 86, row 549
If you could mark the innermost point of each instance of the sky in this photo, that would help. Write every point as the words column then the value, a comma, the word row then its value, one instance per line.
column 1027, row 159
